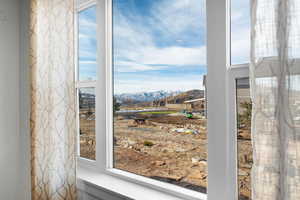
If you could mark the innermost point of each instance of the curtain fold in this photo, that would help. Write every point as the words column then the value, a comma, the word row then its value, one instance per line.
column 275, row 91
column 53, row 103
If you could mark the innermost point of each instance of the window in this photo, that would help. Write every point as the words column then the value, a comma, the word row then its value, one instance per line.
column 240, row 32
column 159, row 91
column 240, row 54
column 87, row 122
column 244, row 145
column 86, row 76
column 167, row 95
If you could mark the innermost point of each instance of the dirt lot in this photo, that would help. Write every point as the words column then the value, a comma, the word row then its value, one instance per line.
column 160, row 149
column 245, row 161
column 87, row 134
column 175, row 157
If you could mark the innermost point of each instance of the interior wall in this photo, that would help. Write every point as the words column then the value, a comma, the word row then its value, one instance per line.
column 25, row 189
column 9, row 99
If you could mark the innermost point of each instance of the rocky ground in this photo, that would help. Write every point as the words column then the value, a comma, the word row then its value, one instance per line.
column 87, row 134
column 245, row 161
column 167, row 150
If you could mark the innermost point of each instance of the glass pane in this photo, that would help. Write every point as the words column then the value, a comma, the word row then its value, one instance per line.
column 240, row 31
column 159, row 56
column 87, row 123
column 244, row 145
column 87, row 44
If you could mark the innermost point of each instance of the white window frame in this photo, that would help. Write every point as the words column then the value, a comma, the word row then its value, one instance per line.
column 235, row 71
column 221, row 94
column 81, row 6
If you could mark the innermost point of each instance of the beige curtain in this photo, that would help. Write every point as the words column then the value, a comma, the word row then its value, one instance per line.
column 275, row 88
column 53, row 118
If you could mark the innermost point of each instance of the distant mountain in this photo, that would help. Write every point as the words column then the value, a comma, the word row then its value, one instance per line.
column 159, row 97
column 185, row 96
column 181, row 97
column 144, row 96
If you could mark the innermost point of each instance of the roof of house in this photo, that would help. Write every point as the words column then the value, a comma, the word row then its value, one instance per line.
column 195, row 100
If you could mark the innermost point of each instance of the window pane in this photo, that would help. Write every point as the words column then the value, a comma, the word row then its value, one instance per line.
column 159, row 56
column 244, row 145
column 87, row 44
column 240, row 31
column 87, row 122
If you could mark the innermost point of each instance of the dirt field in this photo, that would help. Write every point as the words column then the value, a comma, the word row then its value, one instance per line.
column 87, row 134
column 245, row 161
column 161, row 149
column 175, row 157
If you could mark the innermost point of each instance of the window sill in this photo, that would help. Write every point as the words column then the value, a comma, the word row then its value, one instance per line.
column 113, row 184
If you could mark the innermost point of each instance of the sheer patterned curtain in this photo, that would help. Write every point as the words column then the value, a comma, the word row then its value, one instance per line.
column 275, row 90
column 53, row 119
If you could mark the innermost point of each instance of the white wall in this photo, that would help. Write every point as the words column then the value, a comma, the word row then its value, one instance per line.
column 9, row 99
column 24, row 179
column 87, row 191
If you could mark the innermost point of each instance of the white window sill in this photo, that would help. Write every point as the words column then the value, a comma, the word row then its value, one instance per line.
column 114, row 184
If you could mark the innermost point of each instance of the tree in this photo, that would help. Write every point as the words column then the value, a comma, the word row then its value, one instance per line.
column 116, row 105
column 90, row 111
column 80, row 100
column 245, row 117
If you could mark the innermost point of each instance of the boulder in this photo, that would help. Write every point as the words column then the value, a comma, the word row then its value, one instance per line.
column 159, row 163
column 243, row 173
column 196, row 159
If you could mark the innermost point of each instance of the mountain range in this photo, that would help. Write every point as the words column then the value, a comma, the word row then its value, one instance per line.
column 170, row 96
column 145, row 96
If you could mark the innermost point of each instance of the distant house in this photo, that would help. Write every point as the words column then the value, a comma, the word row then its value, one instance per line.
column 205, row 94
column 86, row 100
column 197, row 105
column 242, row 93
column 181, row 106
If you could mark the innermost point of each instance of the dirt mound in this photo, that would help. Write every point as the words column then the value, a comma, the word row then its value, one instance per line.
column 177, row 120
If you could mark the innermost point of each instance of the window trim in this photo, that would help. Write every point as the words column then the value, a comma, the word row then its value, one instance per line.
column 234, row 74
column 222, row 169
column 84, row 4
column 79, row 7
column 235, row 71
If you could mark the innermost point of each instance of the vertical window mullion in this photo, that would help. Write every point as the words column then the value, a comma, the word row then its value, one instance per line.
column 217, row 83
column 102, row 83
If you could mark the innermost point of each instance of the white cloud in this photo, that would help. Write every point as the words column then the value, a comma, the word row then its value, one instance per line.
column 87, row 23
column 158, row 83
column 174, row 56
column 131, row 34
column 179, row 16
column 136, row 38
column 85, row 36
column 240, row 31
column 126, row 66
column 240, row 46
column 152, row 58
column 87, row 54
column 236, row 15
column 88, row 62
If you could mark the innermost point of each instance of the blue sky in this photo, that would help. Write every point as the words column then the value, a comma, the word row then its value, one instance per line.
column 87, row 44
column 240, row 31
column 158, row 44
